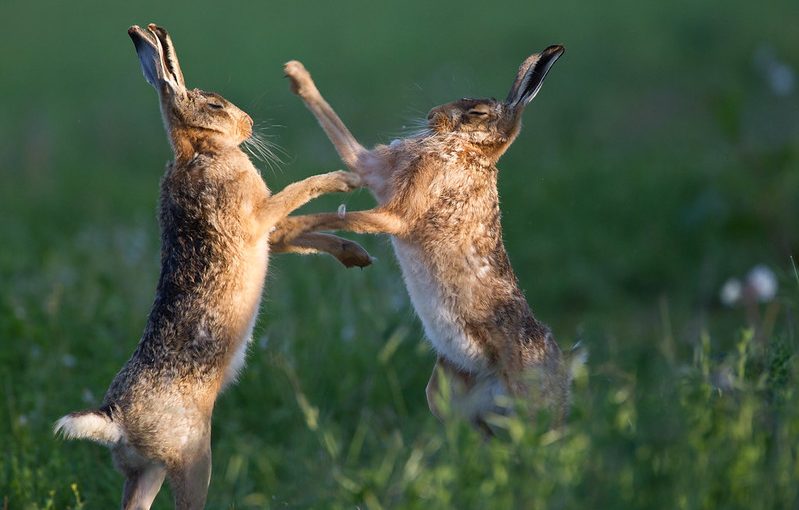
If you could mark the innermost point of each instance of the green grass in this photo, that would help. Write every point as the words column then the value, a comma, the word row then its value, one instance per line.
column 655, row 163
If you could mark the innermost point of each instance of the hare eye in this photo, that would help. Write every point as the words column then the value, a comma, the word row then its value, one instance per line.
column 215, row 106
column 478, row 112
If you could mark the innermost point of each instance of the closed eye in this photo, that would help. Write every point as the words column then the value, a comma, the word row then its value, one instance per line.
column 478, row 112
column 215, row 106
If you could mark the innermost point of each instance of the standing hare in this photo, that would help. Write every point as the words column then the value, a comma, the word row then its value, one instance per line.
column 216, row 215
column 438, row 199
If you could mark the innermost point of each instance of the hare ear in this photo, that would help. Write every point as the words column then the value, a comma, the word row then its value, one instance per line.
column 531, row 76
column 151, row 58
column 170, row 57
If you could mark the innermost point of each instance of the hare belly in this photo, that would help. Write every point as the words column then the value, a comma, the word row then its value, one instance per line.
column 441, row 325
column 248, row 299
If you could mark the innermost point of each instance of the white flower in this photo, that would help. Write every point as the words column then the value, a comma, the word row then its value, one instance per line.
column 779, row 75
column 348, row 332
column 763, row 282
column 731, row 292
column 782, row 79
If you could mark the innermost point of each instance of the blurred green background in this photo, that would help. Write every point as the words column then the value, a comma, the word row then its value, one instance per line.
column 660, row 159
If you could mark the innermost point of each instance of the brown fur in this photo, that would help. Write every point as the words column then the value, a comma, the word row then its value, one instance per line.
column 216, row 215
column 437, row 196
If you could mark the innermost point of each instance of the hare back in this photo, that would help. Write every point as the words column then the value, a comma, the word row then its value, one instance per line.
column 213, row 267
column 214, row 259
column 208, row 297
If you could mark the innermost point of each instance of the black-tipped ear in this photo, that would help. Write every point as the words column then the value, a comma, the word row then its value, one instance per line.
column 531, row 76
column 170, row 57
column 149, row 56
column 152, row 60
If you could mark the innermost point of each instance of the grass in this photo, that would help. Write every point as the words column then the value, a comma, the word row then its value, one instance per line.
column 657, row 162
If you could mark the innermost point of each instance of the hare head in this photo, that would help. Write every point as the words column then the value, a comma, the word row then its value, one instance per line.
column 491, row 124
column 196, row 121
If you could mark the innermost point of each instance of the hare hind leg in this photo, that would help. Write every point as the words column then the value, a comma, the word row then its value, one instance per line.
column 143, row 476
column 190, row 478
column 141, row 487
column 462, row 395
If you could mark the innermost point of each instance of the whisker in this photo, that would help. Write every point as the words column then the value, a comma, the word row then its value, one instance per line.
column 415, row 128
column 261, row 148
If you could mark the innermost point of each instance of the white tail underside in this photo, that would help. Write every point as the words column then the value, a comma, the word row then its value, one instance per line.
column 94, row 426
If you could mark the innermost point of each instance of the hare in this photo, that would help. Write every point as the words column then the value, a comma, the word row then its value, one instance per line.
column 437, row 196
column 216, row 215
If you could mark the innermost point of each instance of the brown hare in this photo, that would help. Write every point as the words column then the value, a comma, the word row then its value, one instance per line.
column 437, row 196
column 216, row 215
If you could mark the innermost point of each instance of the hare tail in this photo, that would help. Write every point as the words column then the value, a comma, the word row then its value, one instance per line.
column 94, row 424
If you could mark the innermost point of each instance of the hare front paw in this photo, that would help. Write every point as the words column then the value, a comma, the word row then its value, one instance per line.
column 301, row 83
column 354, row 255
column 347, row 181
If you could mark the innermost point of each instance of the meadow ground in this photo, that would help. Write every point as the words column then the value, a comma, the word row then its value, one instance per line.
column 660, row 159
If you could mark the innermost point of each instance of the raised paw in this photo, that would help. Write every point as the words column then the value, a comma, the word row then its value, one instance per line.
column 354, row 255
column 348, row 180
column 301, row 82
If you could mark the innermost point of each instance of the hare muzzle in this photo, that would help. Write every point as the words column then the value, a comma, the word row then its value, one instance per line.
column 439, row 120
column 245, row 126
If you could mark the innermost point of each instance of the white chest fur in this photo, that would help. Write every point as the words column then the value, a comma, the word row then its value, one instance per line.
column 248, row 301
column 442, row 325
